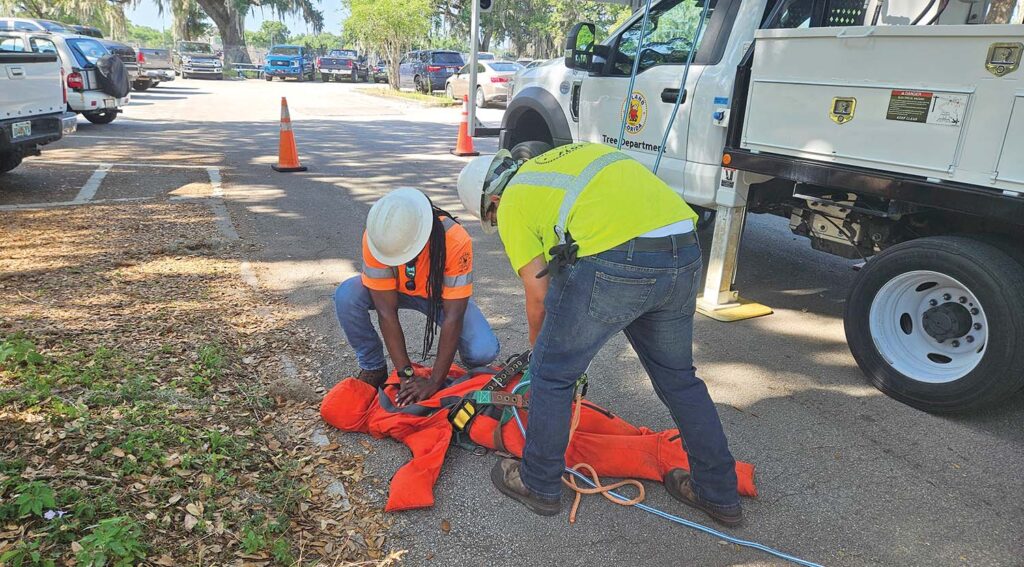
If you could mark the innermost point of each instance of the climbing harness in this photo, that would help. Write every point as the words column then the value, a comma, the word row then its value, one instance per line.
column 462, row 414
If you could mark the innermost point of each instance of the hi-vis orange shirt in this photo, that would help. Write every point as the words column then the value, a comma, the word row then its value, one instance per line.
column 458, row 272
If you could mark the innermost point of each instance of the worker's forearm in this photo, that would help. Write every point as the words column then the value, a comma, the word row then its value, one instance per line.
column 451, row 330
column 394, row 339
column 535, row 318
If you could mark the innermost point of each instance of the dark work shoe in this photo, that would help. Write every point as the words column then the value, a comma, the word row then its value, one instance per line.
column 374, row 378
column 505, row 476
column 677, row 482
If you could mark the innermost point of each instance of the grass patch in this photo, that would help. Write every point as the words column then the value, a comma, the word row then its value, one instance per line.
column 420, row 98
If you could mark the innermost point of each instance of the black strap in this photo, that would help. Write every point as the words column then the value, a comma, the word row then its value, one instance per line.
column 562, row 256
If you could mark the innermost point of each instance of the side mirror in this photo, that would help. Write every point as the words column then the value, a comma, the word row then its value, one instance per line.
column 579, row 46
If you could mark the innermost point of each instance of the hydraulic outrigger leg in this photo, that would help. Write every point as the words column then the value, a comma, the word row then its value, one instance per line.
column 720, row 301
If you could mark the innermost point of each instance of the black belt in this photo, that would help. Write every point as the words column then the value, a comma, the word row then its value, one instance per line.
column 660, row 243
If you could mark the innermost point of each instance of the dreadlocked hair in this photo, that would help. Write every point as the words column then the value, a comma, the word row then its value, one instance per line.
column 438, row 250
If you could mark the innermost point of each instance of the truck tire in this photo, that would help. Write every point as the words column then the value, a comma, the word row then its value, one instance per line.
column 481, row 98
column 268, row 78
column 154, row 85
column 529, row 150
column 938, row 323
column 101, row 117
column 421, row 85
column 9, row 161
column 142, row 86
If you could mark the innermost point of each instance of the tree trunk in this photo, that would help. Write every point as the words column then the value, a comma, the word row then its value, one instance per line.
column 230, row 23
column 485, row 42
column 394, row 58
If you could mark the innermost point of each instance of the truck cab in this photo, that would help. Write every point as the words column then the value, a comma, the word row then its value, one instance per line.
column 285, row 61
column 882, row 131
column 196, row 59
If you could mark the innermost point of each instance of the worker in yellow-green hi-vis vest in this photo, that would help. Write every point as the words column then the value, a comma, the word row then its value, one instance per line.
column 602, row 246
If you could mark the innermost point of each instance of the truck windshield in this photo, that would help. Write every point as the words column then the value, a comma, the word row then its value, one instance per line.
column 668, row 39
column 505, row 66
column 195, row 47
column 87, row 51
column 286, row 50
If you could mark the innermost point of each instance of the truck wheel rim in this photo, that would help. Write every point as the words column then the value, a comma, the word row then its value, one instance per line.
column 928, row 326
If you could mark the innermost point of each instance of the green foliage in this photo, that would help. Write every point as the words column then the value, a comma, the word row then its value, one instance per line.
column 270, row 33
column 208, row 368
column 33, row 498
column 16, row 350
column 149, row 37
column 320, row 42
column 114, row 540
column 26, row 553
column 389, row 27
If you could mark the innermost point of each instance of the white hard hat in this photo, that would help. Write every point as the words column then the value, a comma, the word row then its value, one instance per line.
column 482, row 178
column 398, row 226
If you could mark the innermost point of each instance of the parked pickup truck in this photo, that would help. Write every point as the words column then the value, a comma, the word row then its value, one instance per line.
column 195, row 58
column 285, row 61
column 126, row 53
column 343, row 63
column 32, row 100
column 154, row 68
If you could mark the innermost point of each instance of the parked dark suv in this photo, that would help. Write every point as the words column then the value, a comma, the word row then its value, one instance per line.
column 427, row 70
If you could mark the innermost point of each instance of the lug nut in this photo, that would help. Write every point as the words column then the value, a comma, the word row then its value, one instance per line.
column 969, row 339
column 963, row 299
column 975, row 311
column 933, row 302
column 955, row 344
column 947, row 296
column 977, row 326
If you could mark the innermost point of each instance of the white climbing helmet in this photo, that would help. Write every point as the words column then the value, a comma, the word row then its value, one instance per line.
column 398, row 226
column 482, row 178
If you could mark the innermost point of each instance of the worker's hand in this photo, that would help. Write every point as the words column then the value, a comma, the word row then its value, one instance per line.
column 416, row 389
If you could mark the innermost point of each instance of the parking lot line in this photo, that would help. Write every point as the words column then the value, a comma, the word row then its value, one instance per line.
column 215, row 182
column 97, row 163
column 88, row 190
column 40, row 206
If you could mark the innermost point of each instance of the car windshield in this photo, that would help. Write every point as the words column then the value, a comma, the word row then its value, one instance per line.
column 87, row 51
column 195, row 47
column 342, row 53
column 447, row 58
column 485, row 57
column 504, row 66
column 285, row 50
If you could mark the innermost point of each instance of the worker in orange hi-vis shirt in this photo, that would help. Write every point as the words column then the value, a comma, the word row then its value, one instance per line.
column 415, row 256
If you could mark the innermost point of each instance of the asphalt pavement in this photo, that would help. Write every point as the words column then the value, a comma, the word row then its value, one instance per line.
column 846, row 475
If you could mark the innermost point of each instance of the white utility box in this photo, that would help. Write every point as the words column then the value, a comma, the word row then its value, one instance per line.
column 940, row 102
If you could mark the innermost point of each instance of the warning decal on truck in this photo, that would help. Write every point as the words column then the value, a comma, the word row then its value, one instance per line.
column 927, row 107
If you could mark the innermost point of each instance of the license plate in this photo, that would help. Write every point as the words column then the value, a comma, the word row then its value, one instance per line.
column 21, row 129
column 109, row 103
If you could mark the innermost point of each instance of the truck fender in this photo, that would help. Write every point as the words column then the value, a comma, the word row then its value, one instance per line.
column 534, row 114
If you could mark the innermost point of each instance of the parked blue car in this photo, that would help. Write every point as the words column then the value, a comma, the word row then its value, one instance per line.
column 428, row 69
column 285, row 61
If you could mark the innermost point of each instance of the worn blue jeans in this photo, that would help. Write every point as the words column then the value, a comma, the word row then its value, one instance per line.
column 478, row 346
column 651, row 297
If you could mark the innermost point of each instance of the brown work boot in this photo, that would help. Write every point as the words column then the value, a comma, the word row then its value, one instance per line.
column 677, row 482
column 375, row 378
column 505, row 476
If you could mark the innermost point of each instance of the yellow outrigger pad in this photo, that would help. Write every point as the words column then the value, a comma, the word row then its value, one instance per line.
column 742, row 309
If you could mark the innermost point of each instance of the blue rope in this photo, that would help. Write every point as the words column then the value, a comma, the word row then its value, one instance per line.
column 670, row 517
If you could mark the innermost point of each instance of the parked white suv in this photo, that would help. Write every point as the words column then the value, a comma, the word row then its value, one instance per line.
column 79, row 56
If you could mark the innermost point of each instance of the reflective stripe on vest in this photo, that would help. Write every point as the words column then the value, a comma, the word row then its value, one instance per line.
column 572, row 185
column 380, row 273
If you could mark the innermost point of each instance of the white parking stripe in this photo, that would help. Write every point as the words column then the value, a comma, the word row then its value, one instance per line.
column 156, row 165
column 88, row 190
column 215, row 182
column 40, row 206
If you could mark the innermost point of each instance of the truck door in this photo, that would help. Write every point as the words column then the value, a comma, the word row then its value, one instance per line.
column 670, row 35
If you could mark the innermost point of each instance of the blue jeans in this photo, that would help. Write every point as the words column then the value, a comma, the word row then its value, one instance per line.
column 478, row 346
column 650, row 296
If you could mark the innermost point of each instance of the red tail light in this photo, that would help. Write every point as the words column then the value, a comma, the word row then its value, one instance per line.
column 499, row 79
column 433, row 68
column 141, row 57
column 348, row 64
column 63, row 86
column 75, row 81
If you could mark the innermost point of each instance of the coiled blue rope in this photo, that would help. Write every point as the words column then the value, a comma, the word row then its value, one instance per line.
column 661, row 514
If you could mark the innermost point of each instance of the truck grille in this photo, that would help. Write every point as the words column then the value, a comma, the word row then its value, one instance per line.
column 280, row 63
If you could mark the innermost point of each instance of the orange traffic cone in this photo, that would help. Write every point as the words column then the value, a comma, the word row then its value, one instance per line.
column 464, row 145
column 287, row 154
